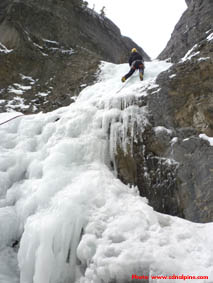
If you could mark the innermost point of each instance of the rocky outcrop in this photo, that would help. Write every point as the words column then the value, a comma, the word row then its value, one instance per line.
column 192, row 28
column 147, row 168
column 184, row 104
column 188, row 87
column 172, row 163
column 50, row 50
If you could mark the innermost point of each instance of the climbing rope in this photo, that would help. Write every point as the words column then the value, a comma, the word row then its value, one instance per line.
column 124, row 85
column 11, row 119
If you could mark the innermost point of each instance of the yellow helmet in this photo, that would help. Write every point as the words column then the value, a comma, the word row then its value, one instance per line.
column 133, row 50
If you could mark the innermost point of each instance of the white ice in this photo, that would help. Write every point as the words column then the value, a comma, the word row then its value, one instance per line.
column 75, row 220
column 9, row 116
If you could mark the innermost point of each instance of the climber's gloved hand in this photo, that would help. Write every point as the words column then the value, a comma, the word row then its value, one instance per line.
column 123, row 79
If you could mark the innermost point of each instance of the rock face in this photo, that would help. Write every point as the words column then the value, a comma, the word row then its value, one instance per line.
column 171, row 164
column 184, row 105
column 50, row 50
column 193, row 26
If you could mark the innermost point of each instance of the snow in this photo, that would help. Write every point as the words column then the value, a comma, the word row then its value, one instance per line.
column 30, row 80
column 162, row 129
column 40, row 48
column 51, row 41
column 14, row 90
column 210, row 37
column 17, row 102
column 4, row 49
column 18, row 89
column 23, row 87
column 2, row 101
column 37, row 45
column 190, row 54
column 42, row 94
column 204, row 59
column 77, row 222
column 156, row 91
column 27, row 78
column 67, row 51
column 61, row 49
column 205, row 137
column 208, row 31
column 174, row 140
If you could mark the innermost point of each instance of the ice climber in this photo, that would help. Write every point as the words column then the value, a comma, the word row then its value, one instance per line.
column 136, row 63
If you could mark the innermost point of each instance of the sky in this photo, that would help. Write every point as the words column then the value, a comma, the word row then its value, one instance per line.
column 148, row 22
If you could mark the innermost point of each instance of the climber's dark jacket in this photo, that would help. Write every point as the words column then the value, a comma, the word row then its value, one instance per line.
column 133, row 57
column 136, row 63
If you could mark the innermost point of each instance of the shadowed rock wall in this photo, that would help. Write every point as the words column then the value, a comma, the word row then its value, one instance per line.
column 53, row 48
column 193, row 27
column 172, row 165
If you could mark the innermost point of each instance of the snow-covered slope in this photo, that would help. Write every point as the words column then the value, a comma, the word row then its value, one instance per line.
column 75, row 220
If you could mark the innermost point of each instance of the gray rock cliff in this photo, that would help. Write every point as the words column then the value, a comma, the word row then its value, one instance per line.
column 193, row 26
column 171, row 164
column 51, row 49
